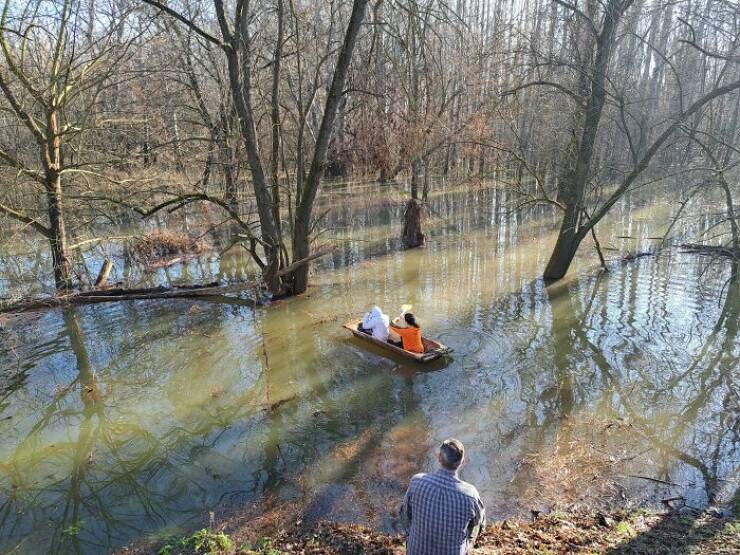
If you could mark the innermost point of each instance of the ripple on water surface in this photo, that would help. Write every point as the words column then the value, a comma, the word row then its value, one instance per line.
column 132, row 418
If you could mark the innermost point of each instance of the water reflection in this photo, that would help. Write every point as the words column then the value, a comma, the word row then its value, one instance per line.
column 135, row 418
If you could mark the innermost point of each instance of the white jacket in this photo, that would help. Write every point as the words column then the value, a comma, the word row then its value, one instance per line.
column 378, row 322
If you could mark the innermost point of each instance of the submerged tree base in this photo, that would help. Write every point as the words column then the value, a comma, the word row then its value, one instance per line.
column 617, row 532
column 412, row 235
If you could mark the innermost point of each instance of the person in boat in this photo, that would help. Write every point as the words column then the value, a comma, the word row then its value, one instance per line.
column 409, row 331
column 441, row 514
column 375, row 323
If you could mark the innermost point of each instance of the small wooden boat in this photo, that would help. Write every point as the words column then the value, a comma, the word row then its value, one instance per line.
column 432, row 349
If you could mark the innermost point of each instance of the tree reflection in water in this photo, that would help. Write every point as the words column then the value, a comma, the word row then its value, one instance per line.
column 138, row 418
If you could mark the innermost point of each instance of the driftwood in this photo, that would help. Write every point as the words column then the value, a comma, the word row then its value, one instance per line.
column 104, row 273
column 634, row 256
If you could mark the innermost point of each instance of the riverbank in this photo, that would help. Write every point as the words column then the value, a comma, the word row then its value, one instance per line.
column 613, row 533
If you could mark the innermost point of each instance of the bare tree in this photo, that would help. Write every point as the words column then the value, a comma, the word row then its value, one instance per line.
column 52, row 86
column 237, row 44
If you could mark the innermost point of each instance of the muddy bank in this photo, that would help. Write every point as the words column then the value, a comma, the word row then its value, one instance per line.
column 617, row 532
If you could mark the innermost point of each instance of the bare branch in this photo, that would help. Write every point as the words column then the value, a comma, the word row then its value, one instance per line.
column 21, row 217
column 181, row 18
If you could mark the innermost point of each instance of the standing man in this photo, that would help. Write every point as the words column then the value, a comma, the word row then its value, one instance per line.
column 441, row 514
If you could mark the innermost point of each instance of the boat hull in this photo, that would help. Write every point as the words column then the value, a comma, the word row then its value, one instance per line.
column 433, row 349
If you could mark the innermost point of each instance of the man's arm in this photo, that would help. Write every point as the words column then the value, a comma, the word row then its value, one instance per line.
column 404, row 513
column 481, row 514
column 478, row 522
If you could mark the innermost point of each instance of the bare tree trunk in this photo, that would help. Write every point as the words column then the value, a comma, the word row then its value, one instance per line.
column 57, row 232
column 412, row 235
column 573, row 184
column 238, row 62
column 275, row 118
column 302, row 231
column 415, row 166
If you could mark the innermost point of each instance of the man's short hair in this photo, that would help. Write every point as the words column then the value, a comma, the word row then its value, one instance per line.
column 451, row 453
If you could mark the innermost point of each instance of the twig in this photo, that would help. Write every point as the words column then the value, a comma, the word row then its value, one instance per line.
column 657, row 480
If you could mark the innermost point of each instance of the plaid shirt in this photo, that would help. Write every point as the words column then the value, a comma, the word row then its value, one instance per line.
column 442, row 515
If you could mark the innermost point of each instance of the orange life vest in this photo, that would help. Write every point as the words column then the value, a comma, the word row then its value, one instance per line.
column 411, row 338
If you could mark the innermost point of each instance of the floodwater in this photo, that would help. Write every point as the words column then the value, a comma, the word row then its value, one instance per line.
column 131, row 419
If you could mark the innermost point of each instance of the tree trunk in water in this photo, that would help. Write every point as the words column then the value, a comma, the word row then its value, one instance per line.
column 565, row 247
column 301, row 250
column 412, row 235
column 57, row 233
column 415, row 180
column 298, row 279
column 572, row 190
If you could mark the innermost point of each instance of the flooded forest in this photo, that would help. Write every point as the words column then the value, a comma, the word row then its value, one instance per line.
column 198, row 194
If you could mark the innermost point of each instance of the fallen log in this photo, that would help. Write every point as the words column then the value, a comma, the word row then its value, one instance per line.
column 634, row 256
column 717, row 250
column 210, row 291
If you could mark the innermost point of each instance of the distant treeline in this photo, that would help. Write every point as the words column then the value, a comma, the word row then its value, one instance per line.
column 131, row 108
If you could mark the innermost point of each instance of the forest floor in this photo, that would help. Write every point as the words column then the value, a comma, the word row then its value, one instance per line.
column 613, row 533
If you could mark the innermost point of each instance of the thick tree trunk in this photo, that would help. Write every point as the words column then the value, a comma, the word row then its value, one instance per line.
column 572, row 190
column 566, row 246
column 240, row 83
column 57, row 233
column 412, row 218
column 415, row 169
column 301, row 250
column 302, row 230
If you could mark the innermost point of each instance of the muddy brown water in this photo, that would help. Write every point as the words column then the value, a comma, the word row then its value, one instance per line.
column 139, row 418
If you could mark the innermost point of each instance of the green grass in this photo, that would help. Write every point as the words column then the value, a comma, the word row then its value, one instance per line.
column 203, row 542
column 625, row 529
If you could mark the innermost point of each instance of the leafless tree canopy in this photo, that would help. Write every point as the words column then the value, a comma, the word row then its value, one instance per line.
column 117, row 110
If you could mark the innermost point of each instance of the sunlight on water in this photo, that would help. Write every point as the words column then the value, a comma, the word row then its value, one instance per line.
column 128, row 419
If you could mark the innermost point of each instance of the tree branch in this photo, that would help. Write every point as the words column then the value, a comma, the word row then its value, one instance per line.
column 210, row 38
column 21, row 168
column 652, row 151
column 580, row 14
column 16, row 215
column 561, row 88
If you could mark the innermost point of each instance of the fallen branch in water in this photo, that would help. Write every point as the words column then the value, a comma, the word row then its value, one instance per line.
column 210, row 291
column 716, row 250
column 634, row 256
column 656, row 480
column 318, row 254
column 207, row 291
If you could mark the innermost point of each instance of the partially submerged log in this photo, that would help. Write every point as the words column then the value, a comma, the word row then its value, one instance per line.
column 635, row 255
column 104, row 273
column 715, row 250
column 210, row 291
